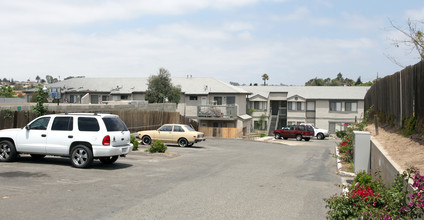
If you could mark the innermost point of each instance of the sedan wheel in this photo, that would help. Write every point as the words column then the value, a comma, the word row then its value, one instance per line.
column 182, row 142
column 81, row 156
column 146, row 140
column 7, row 151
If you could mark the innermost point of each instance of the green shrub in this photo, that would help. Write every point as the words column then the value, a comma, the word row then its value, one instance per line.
column 134, row 141
column 369, row 198
column 410, row 126
column 263, row 135
column 341, row 134
column 157, row 146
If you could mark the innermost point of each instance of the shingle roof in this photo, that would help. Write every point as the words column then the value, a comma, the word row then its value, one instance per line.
column 312, row 92
column 191, row 85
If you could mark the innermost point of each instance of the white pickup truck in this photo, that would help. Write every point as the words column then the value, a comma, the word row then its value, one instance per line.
column 319, row 133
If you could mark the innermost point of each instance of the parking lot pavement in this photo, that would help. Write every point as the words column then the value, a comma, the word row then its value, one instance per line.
column 216, row 179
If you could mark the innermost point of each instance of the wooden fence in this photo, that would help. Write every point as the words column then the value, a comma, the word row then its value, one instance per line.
column 219, row 132
column 136, row 120
column 399, row 96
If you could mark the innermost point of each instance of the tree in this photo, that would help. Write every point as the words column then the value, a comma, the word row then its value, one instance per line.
column 49, row 79
column 414, row 38
column 41, row 97
column 160, row 87
column 37, row 78
column 358, row 82
column 6, row 92
column 265, row 77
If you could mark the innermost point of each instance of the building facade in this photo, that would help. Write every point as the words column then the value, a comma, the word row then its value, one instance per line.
column 327, row 107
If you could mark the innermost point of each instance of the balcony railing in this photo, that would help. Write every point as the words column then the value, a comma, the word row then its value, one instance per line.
column 217, row 111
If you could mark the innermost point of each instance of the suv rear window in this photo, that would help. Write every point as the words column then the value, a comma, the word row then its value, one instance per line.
column 88, row 124
column 114, row 124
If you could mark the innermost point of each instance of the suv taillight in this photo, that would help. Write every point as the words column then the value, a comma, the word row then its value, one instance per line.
column 106, row 140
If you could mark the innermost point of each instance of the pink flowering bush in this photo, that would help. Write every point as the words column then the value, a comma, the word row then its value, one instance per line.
column 369, row 198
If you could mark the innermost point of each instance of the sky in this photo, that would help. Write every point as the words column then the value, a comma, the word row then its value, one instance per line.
column 230, row 40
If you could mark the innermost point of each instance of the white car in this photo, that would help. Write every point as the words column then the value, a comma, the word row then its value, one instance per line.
column 80, row 136
column 319, row 133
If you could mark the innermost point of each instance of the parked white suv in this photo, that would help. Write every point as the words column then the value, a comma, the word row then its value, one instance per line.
column 319, row 133
column 80, row 136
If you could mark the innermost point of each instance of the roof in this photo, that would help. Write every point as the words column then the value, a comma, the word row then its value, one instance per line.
column 312, row 92
column 190, row 85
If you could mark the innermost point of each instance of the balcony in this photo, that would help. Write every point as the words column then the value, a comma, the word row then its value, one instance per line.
column 217, row 112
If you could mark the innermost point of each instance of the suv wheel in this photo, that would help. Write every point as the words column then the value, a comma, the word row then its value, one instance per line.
column 81, row 156
column 7, row 151
column 320, row 136
column 299, row 137
column 108, row 160
column 277, row 136
column 182, row 142
column 146, row 140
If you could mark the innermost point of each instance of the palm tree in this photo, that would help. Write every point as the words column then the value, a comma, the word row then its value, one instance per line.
column 265, row 77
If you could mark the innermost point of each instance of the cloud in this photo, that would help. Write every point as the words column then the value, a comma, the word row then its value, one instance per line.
column 417, row 14
column 62, row 12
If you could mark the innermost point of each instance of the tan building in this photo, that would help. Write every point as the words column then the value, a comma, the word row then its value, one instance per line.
column 213, row 103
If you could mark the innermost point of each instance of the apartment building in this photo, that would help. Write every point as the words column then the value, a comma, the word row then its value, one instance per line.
column 328, row 107
column 213, row 103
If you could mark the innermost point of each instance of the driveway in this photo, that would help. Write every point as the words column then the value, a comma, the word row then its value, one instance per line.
column 216, row 179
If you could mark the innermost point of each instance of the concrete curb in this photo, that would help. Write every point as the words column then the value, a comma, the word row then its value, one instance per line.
column 339, row 166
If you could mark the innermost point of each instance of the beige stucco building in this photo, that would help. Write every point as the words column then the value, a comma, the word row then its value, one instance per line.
column 327, row 107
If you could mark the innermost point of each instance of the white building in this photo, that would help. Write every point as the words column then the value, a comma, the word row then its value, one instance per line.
column 328, row 107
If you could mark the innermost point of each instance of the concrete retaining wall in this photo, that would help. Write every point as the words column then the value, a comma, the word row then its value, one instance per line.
column 381, row 161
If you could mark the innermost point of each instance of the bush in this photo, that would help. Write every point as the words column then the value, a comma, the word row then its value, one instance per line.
column 409, row 125
column 263, row 135
column 157, row 146
column 369, row 198
column 341, row 134
column 134, row 141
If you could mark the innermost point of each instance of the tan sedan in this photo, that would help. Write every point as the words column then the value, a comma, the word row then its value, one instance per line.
column 183, row 135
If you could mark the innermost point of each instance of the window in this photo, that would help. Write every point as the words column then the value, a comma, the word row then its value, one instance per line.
column 290, row 106
column 295, row 106
column 310, row 106
column 299, row 106
column 231, row 100
column 193, row 97
column 88, row 124
column 40, row 124
column 124, row 97
column 105, row 98
column 166, row 128
column 190, row 128
column 217, row 100
column 335, row 106
column 63, row 124
column 351, row 106
column 73, row 99
column 114, row 124
column 178, row 129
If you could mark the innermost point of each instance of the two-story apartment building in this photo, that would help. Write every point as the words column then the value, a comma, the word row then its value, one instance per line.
column 328, row 107
column 213, row 103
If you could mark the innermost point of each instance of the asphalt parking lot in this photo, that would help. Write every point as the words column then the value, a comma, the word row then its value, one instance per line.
column 216, row 179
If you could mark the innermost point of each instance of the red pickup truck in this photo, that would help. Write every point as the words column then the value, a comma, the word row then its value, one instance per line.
column 295, row 131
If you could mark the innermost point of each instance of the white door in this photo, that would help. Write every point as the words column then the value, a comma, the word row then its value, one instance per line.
column 33, row 138
column 60, row 135
column 203, row 101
